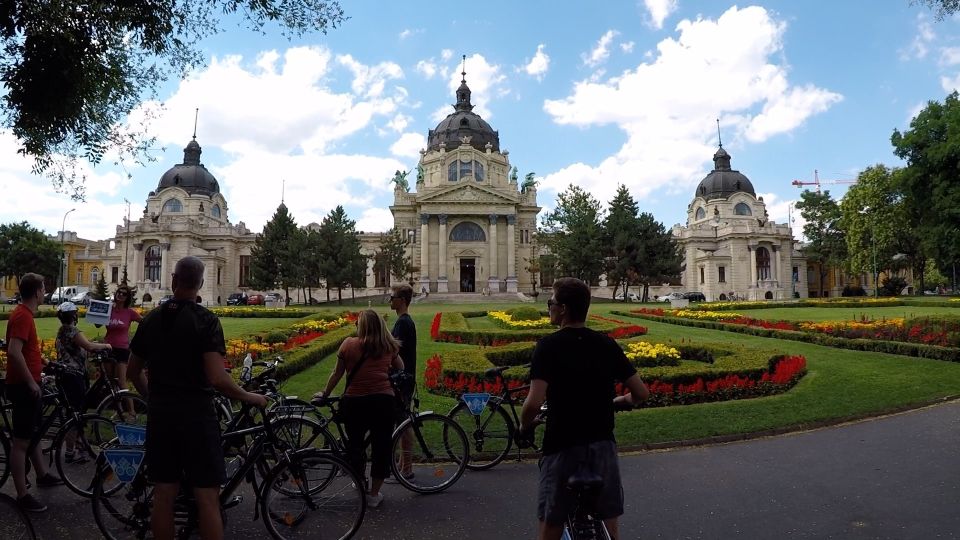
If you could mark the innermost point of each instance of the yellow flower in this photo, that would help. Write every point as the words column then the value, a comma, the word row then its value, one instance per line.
column 705, row 315
column 504, row 317
column 643, row 349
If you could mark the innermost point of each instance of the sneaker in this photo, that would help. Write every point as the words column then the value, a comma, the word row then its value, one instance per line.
column 28, row 503
column 373, row 501
column 75, row 458
column 49, row 480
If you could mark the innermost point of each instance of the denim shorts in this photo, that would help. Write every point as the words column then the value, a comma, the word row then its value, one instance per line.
column 555, row 502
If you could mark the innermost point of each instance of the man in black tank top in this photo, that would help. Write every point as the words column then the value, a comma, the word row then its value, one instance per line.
column 182, row 346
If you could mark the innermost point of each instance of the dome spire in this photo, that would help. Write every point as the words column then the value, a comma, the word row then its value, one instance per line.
column 721, row 160
column 463, row 93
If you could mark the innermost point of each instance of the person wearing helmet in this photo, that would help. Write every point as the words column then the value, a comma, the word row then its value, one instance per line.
column 72, row 347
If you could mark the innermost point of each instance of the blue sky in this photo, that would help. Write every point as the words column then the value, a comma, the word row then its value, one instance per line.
column 586, row 93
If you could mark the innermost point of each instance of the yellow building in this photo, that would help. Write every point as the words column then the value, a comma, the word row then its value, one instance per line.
column 83, row 262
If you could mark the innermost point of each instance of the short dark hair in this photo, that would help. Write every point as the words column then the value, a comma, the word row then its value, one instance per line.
column 575, row 295
column 405, row 292
column 124, row 288
column 30, row 283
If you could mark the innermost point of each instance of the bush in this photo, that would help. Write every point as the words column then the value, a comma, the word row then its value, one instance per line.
column 525, row 313
column 452, row 327
column 892, row 286
column 853, row 290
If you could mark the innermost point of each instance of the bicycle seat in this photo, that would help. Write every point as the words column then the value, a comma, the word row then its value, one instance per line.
column 584, row 480
column 493, row 372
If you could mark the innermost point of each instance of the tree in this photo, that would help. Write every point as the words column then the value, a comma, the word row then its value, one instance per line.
column 100, row 290
column 621, row 237
column 931, row 148
column 392, row 254
column 573, row 234
column 659, row 256
column 26, row 249
column 943, row 8
column 340, row 255
column 73, row 70
column 275, row 259
column 826, row 245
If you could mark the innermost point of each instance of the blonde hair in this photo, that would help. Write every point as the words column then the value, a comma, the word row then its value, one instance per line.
column 374, row 337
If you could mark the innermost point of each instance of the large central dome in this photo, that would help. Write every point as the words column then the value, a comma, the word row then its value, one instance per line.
column 190, row 175
column 463, row 122
column 723, row 181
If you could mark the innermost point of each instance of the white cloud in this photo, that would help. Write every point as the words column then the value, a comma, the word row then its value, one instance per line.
column 601, row 51
column 399, row 123
column 668, row 118
column 949, row 56
column 627, row 47
column 370, row 81
column 538, row 65
column 427, row 68
column 409, row 145
column 375, row 220
column 485, row 80
column 920, row 45
column 659, row 10
column 446, row 54
column 407, row 32
column 949, row 84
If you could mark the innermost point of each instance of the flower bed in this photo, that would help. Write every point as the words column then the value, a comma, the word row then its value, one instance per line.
column 731, row 373
column 452, row 327
column 505, row 320
column 277, row 341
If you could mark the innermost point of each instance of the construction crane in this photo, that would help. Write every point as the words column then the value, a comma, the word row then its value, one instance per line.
column 817, row 181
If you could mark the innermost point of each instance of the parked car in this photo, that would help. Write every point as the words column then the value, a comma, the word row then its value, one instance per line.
column 15, row 299
column 669, row 297
column 62, row 294
column 82, row 298
column 254, row 300
column 695, row 296
column 238, row 299
column 165, row 299
column 631, row 297
column 273, row 297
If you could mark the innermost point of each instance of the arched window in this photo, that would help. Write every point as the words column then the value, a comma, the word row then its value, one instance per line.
column 701, row 213
column 467, row 231
column 94, row 275
column 215, row 211
column 478, row 171
column 452, row 171
column 741, row 209
column 173, row 205
column 763, row 263
column 466, row 168
column 151, row 263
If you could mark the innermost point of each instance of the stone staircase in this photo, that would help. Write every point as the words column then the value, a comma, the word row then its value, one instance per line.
column 472, row 298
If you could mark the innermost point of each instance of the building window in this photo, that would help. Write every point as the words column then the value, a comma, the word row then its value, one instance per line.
column 459, row 169
column 219, row 272
column 478, row 171
column 151, row 263
column 466, row 168
column 94, row 275
column 722, row 274
column 763, row 263
column 741, row 209
column 244, row 271
column 701, row 213
column 215, row 211
column 114, row 274
column 701, row 275
column 452, row 171
column 796, row 274
column 524, row 236
column 79, row 277
column 173, row 206
column 467, row 231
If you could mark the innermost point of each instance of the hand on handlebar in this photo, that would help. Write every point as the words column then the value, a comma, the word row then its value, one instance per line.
column 257, row 400
column 623, row 403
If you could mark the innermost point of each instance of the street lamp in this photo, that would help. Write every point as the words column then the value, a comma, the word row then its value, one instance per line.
column 873, row 246
column 63, row 258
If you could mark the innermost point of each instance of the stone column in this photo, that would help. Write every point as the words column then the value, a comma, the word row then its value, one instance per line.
column 493, row 283
column 424, row 249
column 135, row 272
column 776, row 270
column 752, row 259
column 442, row 256
column 371, row 276
column 164, row 249
column 511, row 254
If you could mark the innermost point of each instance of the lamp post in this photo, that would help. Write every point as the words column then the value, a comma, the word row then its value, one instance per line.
column 63, row 254
column 876, row 276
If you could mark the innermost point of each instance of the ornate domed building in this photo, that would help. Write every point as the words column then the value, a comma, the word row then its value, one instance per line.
column 185, row 215
column 471, row 224
column 730, row 246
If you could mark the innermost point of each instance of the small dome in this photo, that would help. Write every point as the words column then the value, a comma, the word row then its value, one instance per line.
column 723, row 181
column 463, row 122
column 190, row 175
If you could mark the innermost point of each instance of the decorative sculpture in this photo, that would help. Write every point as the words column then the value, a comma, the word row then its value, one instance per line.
column 400, row 181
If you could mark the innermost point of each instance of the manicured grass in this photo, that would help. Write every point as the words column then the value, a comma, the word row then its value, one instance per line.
column 848, row 314
column 839, row 383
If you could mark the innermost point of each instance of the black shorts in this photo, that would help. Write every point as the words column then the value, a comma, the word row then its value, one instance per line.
column 120, row 356
column 185, row 448
column 27, row 411
column 555, row 501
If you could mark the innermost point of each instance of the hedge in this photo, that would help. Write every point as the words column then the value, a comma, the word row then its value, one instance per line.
column 845, row 302
column 309, row 354
column 452, row 327
column 919, row 350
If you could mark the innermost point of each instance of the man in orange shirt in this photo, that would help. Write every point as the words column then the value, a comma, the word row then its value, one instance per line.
column 23, row 390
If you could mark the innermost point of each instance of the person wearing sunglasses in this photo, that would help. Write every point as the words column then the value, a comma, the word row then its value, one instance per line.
column 122, row 316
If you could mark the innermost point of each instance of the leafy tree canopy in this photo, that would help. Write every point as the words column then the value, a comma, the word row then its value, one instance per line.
column 392, row 253
column 275, row 256
column 942, row 8
column 25, row 249
column 73, row 69
column 574, row 233
column 827, row 245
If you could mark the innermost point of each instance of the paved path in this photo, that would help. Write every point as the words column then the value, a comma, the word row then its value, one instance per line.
column 896, row 477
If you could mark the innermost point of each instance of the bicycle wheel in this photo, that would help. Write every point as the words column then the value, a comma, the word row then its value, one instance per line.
column 117, row 408
column 14, row 523
column 490, row 434
column 4, row 458
column 301, row 433
column 124, row 513
column 294, row 506
column 93, row 433
column 437, row 457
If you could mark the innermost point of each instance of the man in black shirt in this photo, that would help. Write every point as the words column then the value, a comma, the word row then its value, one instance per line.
column 182, row 346
column 575, row 370
column 406, row 332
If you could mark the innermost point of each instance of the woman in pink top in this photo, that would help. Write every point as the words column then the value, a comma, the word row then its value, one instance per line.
column 118, row 336
column 367, row 403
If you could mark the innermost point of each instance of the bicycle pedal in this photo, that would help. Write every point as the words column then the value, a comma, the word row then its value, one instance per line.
column 236, row 500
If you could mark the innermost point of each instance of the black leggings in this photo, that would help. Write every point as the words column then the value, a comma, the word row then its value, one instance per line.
column 373, row 413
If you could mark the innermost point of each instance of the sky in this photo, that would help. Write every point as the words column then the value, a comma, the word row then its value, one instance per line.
column 587, row 93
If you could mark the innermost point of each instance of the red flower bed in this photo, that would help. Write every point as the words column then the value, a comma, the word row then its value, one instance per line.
column 627, row 331
column 435, row 327
column 300, row 339
column 462, row 383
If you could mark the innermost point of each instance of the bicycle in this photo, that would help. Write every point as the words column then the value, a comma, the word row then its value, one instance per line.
column 494, row 430
column 298, row 485
column 439, row 451
column 114, row 404
column 92, row 432
column 582, row 523
column 14, row 522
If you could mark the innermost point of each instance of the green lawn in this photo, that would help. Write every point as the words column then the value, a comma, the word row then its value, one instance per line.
column 835, row 314
column 839, row 383
column 232, row 327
